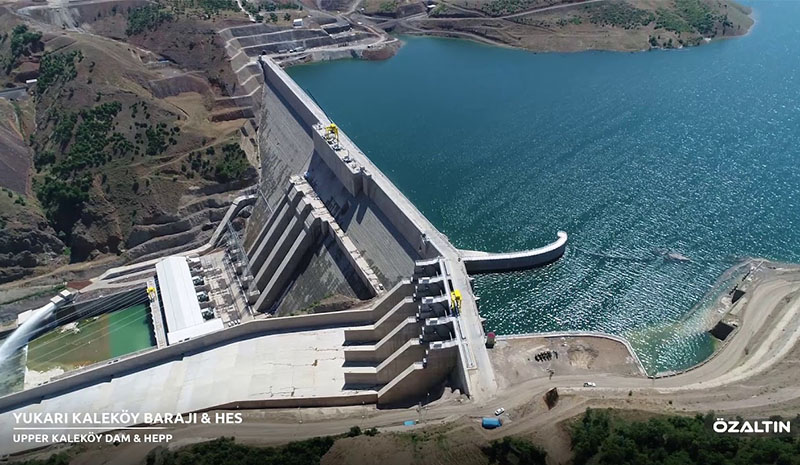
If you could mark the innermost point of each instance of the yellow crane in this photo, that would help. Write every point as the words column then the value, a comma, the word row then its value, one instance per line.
column 332, row 130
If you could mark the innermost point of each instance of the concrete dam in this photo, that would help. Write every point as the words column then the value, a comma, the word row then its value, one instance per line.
column 324, row 221
column 327, row 221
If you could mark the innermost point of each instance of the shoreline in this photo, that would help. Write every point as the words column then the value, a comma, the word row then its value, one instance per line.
column 392, row 47
column 761, row 272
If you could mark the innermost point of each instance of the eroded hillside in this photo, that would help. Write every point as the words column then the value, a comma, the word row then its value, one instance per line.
column 116, row 151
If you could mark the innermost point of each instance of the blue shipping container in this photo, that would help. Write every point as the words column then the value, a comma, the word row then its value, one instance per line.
column 491, row 423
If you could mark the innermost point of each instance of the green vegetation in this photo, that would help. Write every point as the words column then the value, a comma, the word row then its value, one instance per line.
column 21, row 42
column 672, row 21
column 91, row 139
column 233, row 164
column 205, row 8
column 505, row 7
column 230, row 166
column 511, row 450
column 56, row 67
column 619, row 15
column 697, row 14
column 65, row 189
column 224, row 451
column 146, row 18
column 62, row 132
column 602, row 438
column 689, row 16
column 389, row 6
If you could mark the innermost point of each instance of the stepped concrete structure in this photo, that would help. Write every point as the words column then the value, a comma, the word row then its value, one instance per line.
column 317, row 186
column 323, row 221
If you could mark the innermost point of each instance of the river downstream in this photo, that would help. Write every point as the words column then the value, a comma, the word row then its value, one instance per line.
column 666, row 168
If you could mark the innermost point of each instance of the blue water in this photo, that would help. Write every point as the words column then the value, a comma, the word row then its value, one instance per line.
column 692, row 151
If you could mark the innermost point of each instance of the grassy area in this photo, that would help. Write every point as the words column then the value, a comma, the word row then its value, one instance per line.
column 619, row 15
column 21, row 41
column 147, row 18
column 222, row 164
column 689, row 16
column 505, row 7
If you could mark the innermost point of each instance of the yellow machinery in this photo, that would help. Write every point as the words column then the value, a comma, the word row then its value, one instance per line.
column 332, row 132
column 455, row 299
column 151, row 292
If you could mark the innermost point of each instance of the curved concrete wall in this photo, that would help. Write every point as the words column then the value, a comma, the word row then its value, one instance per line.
column 483, row 262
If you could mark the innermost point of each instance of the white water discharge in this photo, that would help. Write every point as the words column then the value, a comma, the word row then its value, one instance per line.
column 21, row 335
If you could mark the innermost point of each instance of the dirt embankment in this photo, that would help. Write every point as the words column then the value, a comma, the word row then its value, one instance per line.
column 623, row 25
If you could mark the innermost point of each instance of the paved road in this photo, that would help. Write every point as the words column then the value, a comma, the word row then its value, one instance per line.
column 16, row 93
column 754, row 372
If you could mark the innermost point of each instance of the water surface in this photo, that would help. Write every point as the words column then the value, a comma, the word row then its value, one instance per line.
column 635, row 155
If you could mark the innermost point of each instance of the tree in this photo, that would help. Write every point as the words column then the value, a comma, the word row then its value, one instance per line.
column 287, row 17
column 273, row 17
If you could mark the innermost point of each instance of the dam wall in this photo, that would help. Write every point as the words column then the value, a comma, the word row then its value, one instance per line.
column 354, row 177
column 420, row 377
column 108, row 370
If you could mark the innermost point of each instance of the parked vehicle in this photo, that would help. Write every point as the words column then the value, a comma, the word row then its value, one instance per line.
column 500, row 411
column 589, row 384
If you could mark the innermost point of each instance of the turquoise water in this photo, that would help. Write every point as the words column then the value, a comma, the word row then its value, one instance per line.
column 633, row 154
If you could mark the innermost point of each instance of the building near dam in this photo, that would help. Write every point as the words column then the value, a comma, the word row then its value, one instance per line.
column 324, row 221
column 180, row 304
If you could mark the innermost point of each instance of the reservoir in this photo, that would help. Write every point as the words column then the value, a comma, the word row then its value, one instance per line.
column 640, row 157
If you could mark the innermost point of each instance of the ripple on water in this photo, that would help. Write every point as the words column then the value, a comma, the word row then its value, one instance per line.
column 634, row 155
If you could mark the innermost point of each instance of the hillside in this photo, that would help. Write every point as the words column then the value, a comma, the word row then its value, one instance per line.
column 116, row 151
column 624, row 25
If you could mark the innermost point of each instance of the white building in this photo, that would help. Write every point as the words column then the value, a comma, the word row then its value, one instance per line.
column 179, row 302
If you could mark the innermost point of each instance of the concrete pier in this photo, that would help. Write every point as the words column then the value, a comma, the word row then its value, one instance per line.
column 485, row 262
